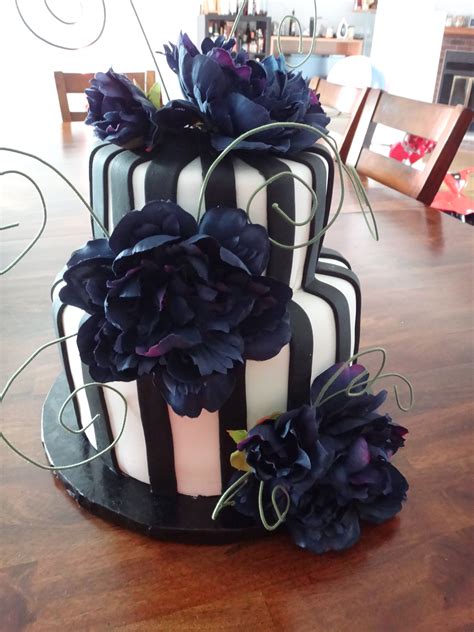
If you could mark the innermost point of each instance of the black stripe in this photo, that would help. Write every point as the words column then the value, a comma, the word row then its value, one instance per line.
column 330, row 253
column 121, row 182
column 326, row 155
column 91, row 162
column 318, row 176
column 232, row 416
column 301, row 357
column 158, row 436
column 342, row 319
column 221, row 189
column 281, row 191
column 58, row 310
column 161, row 178
column 103, row 431
column 350, row 277
column 57, row 281
column 100, row 161
column 161, row 182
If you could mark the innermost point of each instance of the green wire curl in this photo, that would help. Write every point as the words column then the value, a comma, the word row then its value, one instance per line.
column 351, row 173
column 150, row 50
column 237, row 19
column 356, row 381
column 275, row 205
column 227, row 500
column 55, row 468
column 300, row 37
column 45, row 210
column 25, row 251
column 43, row 39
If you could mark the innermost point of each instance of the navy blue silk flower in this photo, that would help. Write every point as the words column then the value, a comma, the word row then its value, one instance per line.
column 121, row 113
column 287, row 451
column 236, row 94
column 333, row 458
column 178, row 300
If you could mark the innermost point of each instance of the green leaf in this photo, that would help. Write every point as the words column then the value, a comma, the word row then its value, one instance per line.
column 237, row 460
column 238, row 435
column 154, row 95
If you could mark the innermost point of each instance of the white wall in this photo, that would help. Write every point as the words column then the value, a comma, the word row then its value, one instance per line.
column 407, row 44
column 455, row 7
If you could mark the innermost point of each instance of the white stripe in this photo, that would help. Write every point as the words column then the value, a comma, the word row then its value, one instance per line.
column 348, row 290
column 303, row 201
column 266, row 386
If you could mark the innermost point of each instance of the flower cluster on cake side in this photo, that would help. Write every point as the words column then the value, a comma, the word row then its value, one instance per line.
column 184, row 302
column 327, row 463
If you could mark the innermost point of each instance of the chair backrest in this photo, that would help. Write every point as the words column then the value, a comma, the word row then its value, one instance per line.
column 75, row 83
column 348, row 101
column 444, row 124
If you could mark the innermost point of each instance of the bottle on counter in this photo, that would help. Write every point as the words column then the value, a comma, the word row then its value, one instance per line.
column 260, row 42
column 292, row 29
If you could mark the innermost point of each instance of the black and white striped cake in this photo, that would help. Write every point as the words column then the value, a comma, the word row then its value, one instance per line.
column 178, row 455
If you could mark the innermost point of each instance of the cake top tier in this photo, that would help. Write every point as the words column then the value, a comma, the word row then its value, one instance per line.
column 226, row 94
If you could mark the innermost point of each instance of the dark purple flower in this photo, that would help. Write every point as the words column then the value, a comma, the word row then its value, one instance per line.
column 177, row 300
column 287, row 451
column 122, row 114
column 236, row 95
column 333, row 459
column 120, row 111
column 318, row 523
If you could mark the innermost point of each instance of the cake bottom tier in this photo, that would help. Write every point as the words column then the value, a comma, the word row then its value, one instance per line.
column 128, row 502
column 185, row 462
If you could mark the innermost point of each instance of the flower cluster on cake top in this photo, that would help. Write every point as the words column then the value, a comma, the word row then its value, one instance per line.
column 225, row 95
column 184, row 302
column 327, row 463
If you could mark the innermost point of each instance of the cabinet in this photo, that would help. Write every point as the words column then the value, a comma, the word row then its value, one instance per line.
column 253, row 32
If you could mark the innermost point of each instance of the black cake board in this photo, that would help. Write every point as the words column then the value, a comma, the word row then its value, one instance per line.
column 126, row 501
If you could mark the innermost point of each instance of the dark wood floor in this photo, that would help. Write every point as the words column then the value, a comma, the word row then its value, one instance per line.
column 63, row 569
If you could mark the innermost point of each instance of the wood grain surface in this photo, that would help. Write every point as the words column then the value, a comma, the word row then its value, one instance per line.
column 63, row 569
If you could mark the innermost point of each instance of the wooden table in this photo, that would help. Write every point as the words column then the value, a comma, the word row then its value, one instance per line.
column 62, row 568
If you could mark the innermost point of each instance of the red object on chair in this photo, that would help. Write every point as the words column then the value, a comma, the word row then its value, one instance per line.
column 411, row 148
column 453, row 200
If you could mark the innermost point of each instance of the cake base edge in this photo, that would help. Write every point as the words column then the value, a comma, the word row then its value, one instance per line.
column 126, row 501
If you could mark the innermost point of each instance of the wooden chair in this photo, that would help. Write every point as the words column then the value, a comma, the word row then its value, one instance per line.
column 75, row 83
column 313, row 84
column 444, row 124
column 344, row 105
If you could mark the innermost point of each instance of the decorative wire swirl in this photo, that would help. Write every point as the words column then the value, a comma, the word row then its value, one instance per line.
column 67, row 23
column 45, row 212
column 280, row 28
column 351, row 173
column 356, row 381
column 276, row 206
column 281, row 515
column 227, row 500
column 102, row 28
column 237, row 19
column 300, row 37
column 16, row 224
column 155, row 62
column 55, row 468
